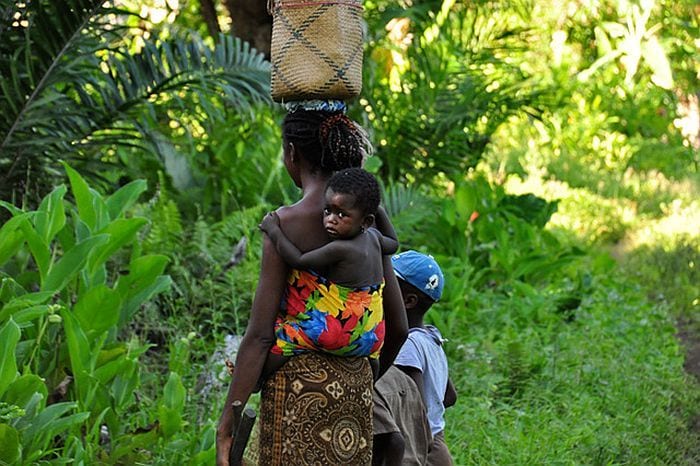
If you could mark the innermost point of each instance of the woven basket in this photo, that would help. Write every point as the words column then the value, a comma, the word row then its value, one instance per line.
column 316, row 49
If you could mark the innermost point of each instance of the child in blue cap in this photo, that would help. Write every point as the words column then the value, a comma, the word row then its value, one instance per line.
column 422, row 356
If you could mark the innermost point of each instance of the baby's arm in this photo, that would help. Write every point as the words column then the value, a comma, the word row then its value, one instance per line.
column 321, row 257
column 388, row 238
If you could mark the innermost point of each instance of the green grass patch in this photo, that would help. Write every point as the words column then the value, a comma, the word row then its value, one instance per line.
column 603, row 384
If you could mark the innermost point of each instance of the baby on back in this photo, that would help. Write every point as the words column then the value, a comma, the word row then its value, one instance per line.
column 333, row 302
column 354, row 256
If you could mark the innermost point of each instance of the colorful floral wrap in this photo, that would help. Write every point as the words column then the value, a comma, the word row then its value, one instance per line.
column 319, row 315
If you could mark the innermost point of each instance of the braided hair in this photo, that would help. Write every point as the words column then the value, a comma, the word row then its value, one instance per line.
column 359, row 183
column 330, row 141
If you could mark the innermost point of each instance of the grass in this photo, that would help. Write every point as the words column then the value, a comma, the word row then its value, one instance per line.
column 604, row 388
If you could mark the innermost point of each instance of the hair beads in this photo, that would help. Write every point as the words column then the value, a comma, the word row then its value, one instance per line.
column 330, row 141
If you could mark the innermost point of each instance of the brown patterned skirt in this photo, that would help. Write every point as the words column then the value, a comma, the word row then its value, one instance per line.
column 317, row 410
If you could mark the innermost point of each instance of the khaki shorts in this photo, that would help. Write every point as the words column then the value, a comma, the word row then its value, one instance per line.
column 398, row 407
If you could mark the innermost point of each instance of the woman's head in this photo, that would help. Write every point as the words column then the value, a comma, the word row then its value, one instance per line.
column 329, row 141
column 352, row 199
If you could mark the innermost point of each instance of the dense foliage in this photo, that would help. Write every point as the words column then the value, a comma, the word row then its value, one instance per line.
column 544, row 152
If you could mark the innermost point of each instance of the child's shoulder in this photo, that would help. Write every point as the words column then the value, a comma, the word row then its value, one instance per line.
column 427, row 332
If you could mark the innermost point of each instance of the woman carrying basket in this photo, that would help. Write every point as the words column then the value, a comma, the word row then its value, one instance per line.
column 317, row 408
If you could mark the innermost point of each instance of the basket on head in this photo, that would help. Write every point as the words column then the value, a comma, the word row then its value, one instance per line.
column 316, row 50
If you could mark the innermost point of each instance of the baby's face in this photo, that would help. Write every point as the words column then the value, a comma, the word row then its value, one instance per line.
column 341, row 218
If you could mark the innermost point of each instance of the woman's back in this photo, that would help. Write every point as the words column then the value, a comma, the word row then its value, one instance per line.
column 302, row 222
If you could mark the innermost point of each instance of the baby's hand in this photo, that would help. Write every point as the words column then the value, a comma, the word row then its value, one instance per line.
column 270, row 223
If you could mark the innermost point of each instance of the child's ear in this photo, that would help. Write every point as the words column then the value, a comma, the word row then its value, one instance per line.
column 368, row 221
column 410, row 301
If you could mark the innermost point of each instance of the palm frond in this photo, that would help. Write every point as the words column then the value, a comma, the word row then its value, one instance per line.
column 62, row 99
column 36, row 38
column 454, row 93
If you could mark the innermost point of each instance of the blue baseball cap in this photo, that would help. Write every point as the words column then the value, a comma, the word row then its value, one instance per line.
column 421, row 271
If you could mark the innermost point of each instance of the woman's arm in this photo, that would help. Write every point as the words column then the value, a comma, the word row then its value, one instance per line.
column 255, row 345
column 395, row 320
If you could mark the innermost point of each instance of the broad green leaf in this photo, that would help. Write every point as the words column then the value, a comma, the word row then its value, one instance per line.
column 108, row 371
column 161, row 284
column 465, row 199
column 9, row 336
column 97, row 309
column 10, row 449
column 125, row 383
column 31, row 313
column 143, row 281
column 9, row 290
column 107, row 355
column 70, row 264
column 21, row 391
column 14, row 210
column 122, row 199
column 84, row 198
column 23, row 302
column 129, row 443
column 78, row 351
column 121, row 232
column 174, row 393
column 38, row 247
column 170, row 421
column 50, row 422
column 449, row 213
column 101, row 211
column 11, row 236
column 55, row 215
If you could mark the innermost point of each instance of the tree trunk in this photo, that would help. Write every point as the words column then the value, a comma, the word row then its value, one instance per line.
column 208, row 10
column 251, row 22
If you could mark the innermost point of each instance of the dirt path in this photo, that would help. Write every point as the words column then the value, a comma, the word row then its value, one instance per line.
column 691, row 342
column 690, row 338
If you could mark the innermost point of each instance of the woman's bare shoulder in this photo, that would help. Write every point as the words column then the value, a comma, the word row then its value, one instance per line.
column 303, row 224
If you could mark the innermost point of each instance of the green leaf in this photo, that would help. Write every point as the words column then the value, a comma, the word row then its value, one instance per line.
column 174, row 393
column 51, row 422
column 38, row 247
column 465, row 199
column 23, row 302
column 11, row 236
column 55, row 215
column 108, row 371
column 70, row 264
column 97, row 309
column 31, row 313
column 142, row 282
column 84, row 197
column 121, row 232
column 125, row 383
column 79, row 352
column 10, row 450
column 14, row 210
column 21, row 391
column 9, row 336
column 170, row 421
column 9, row 290
column 122, row 199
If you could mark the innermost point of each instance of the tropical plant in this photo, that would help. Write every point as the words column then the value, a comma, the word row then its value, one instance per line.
column 440, row 82
column 71, row 277
column 73, row 90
